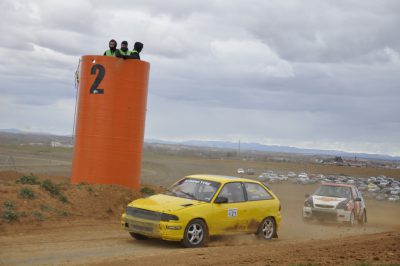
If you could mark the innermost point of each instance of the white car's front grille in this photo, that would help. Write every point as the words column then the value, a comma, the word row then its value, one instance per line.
column 324, row 206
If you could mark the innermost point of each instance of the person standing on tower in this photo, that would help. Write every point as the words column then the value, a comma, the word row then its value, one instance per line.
column 124, row 51
column 113, row 47
column 137, row 48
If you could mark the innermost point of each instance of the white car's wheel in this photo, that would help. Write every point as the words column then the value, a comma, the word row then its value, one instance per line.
column 267, row 229
column 352, row 220
column 363, row 219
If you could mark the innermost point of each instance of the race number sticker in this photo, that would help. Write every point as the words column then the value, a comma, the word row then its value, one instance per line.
column 232, row 212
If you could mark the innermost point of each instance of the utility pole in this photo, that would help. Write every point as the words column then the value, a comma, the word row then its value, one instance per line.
column 12, row 162
column 239, row 150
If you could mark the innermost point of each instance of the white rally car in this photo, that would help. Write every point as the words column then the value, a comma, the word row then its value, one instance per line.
column 341, row 203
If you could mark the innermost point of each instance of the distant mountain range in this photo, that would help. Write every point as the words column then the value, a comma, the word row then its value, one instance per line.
column 16, row 136
column 12, row 130
column 220, row 144
column 274, row 148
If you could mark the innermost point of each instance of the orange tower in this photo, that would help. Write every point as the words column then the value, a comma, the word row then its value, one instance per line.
column 110, row 121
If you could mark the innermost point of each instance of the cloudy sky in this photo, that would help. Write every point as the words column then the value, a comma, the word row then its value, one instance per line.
column 311, row 74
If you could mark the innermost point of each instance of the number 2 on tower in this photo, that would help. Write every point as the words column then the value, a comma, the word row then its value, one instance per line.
column 94, row 89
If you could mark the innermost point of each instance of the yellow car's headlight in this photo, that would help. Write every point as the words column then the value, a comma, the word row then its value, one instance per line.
column 169, row 217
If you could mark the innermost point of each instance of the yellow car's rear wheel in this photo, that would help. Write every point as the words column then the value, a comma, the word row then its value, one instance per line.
column 267, row 229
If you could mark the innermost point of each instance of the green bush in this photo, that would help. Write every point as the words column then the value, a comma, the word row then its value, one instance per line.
column 28, row 180
column 26, row 193
column 10, row 214
column 9, row 205
column 147, row 191
column 50, row 187
column 54, row 190
column 38, row 215
column 63, row 198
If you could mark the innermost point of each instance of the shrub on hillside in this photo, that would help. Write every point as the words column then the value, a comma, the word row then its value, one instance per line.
column 147, row 191
column 63, row 198
column 50, row 187
column 10, row 214
column 54, row 190
column 26, row 193
column 38, row 215
column 45, row 207
column 8, row 205
column 28, row 180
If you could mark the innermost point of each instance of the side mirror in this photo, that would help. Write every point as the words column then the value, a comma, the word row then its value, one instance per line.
column 307, row 195
column 357, row 199
column 221, row 200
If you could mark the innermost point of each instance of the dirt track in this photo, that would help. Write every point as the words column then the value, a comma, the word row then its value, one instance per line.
column 93, row 242
column 101, row 242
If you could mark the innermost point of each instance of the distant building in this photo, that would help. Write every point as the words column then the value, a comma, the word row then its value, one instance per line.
column 56, row 144
column 35, row 144
column 334, row 161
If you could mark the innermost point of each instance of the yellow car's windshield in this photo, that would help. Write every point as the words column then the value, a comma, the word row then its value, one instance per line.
column 196, row 189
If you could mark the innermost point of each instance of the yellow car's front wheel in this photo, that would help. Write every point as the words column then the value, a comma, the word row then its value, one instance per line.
column 196, row 234
column 138, row 236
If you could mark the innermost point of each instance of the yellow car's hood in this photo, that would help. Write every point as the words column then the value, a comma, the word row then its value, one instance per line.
column 164, row 203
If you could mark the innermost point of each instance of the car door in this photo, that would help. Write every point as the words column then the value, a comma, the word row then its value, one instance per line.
column 230, row 217
column 259, row 205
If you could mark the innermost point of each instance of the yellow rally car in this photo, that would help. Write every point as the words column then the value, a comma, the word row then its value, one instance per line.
column 199, row 206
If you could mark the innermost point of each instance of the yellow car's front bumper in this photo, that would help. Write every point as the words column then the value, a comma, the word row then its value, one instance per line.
column 166, row 230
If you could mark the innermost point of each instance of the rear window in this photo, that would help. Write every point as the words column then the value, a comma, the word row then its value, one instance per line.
column 256, row 192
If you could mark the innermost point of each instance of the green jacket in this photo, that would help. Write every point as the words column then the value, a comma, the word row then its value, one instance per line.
column 125, row 53
column 109, row 53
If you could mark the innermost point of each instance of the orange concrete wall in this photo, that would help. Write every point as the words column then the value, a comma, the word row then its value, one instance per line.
column 110, row 121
